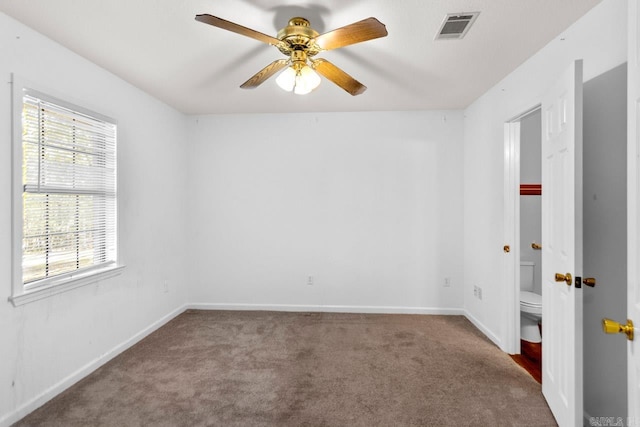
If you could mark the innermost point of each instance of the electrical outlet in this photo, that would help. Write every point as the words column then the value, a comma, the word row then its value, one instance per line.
column 447, row 282
column 477, row 292
column 309, row 280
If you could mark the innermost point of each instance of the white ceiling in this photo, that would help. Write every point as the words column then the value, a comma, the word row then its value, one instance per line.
column 157, row 46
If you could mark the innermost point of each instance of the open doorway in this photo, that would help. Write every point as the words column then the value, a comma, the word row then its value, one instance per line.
column 530, row 259
column 523, row 213
column 523, row 210
column 605, row 242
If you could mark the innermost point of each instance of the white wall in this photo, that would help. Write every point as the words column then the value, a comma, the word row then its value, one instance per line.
column 45, row 344
column 600, row 39
column 367, row 203
column 605, row 241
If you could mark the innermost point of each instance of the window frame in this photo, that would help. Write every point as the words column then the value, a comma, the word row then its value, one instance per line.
column 24, row 293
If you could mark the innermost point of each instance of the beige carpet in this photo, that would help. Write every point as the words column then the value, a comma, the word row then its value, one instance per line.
column 226, row 368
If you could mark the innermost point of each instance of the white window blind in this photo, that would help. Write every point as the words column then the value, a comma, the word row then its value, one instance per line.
column 69, row 190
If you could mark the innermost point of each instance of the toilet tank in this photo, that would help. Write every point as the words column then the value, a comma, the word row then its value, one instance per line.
column 526, row 275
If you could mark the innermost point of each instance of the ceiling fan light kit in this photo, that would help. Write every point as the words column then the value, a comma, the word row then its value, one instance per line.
column 299, row 79
column 300, row 43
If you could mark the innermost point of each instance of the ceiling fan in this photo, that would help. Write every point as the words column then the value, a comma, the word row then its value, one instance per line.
column 301, row 43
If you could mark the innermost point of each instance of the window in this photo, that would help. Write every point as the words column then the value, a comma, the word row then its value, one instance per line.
column 67, row 163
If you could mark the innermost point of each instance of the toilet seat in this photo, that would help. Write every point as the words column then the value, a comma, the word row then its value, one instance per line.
column 530, row 303
column 530, row 299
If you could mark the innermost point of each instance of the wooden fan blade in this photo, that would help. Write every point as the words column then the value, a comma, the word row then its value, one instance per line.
column 236, row 28
column 264, row 74
column 361, row 31
column 339, row 77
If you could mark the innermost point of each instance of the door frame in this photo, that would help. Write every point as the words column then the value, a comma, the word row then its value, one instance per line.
column 511, row 272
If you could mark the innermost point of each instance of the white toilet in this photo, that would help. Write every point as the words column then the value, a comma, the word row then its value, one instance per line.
column 530, row 305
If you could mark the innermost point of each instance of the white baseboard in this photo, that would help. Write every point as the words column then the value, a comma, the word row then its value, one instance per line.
column 76, row 376
column 328, row 308
column 478, row 324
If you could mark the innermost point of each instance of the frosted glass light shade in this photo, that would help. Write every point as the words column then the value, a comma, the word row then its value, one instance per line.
column 287, row 79
column 306, row 81
column 300, row 82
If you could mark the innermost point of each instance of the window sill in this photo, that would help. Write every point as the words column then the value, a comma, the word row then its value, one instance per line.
column 56, row 288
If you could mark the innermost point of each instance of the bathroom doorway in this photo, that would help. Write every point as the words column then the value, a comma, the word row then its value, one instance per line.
column 523, row 217
column 530, row 192
column 529, row 287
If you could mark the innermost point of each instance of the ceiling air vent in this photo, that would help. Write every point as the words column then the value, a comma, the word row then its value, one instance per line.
column 456, row 25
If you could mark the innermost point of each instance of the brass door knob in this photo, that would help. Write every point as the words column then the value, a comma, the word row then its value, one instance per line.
column 589, row 281
column 612, row 327
column 506, row 249
column 564, row 278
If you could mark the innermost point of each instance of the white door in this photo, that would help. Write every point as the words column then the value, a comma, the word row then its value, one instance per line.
column 633, row 206
column 562, row 248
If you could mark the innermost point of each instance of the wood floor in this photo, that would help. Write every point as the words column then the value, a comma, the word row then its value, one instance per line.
column 530, row 358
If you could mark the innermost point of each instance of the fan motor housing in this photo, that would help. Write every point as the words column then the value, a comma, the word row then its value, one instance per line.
column 297, row 36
